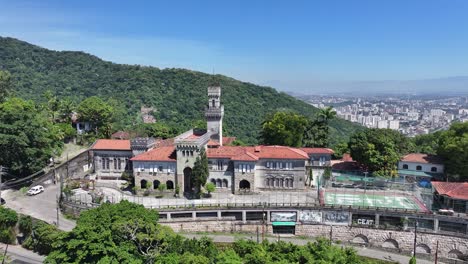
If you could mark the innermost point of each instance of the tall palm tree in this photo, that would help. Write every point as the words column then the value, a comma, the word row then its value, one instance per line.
column 326, row 114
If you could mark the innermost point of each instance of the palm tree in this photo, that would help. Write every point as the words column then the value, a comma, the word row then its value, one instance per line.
column 326, row 114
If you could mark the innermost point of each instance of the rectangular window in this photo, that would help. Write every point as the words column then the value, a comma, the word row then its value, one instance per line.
column 220, row 165
column 103, row 165
column 115, row 163
column 160, row 168
column 281, row 165
column 107, row 163
column 119, row 164
column 268, row 164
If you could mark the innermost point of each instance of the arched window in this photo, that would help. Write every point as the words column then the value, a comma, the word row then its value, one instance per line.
column 213, row 181
column 170, row 185
column 225, row 183
column 418, row 167
column 281, row 182
column 291, row 183
column 219, row 183
column 156, row 184
column 143, row 184
column 434, row 169
column 213, row 103
column 405, row 166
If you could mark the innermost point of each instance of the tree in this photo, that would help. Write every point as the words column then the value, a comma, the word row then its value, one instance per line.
column 283, row 128
column 27, row 138
column 379, row 150
column 317, row 131
column 94, row 110
column 340, row 149
column 123, row 232
column 200, row 171
column 412, row 260
column 5, row 85
column 453, row 148
column 210, row 187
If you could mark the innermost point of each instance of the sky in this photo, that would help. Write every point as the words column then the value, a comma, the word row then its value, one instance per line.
column 290, row 45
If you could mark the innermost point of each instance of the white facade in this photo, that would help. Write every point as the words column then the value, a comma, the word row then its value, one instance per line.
column 419, row 166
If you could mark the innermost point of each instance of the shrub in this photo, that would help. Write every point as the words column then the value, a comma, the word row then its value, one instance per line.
column 162, row 187
column 8, row 218
column 7, row 235
column 210, row 187
column 25, row 225
column 42, row 237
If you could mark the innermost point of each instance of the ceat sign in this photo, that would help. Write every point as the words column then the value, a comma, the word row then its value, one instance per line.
column 365, row 222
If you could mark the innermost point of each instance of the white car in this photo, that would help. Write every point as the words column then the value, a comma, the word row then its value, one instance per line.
column 35, row 190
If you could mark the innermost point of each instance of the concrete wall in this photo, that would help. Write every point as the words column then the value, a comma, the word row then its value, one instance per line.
column 397, row 241
column 111, row 172
column 297, row 172
column 425, row 167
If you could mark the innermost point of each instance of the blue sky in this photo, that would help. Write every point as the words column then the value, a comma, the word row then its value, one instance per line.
column 291, row 45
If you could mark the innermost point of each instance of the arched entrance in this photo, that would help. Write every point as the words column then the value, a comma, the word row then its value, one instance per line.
column 156, row 184
column 244, row 184
column 170, row 185
column 143, row 184
column 188, row 184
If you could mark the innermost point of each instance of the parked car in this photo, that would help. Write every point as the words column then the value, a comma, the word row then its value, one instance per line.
column 444, row 211
column 35, row 190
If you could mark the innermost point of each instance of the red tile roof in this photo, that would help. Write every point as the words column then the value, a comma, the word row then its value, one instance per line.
column 318, row 150
column 257, row 152
column 157, row 154
column 422, row 158
column 456, row 190
column 111, row 144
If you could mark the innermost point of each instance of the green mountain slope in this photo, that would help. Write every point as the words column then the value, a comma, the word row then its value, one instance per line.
column 178, row 95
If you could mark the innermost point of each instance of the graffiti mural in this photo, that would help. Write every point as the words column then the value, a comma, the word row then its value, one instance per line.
column 335, row 218
column 310, row 217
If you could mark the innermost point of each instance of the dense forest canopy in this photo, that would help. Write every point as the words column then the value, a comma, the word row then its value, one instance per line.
column 177, row 95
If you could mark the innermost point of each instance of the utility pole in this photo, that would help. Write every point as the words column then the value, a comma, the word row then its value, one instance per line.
column 263, row 223
column 415, row 231
column 4, row 254
column 331, row 234
column 57, row 195
column 436, row 253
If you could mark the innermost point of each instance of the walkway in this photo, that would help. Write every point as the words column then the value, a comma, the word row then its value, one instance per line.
column 17, row 254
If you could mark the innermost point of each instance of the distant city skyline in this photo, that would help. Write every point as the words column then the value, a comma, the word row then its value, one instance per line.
column 300, row 46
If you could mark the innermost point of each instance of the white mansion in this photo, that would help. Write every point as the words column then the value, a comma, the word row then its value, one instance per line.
column 232, row 168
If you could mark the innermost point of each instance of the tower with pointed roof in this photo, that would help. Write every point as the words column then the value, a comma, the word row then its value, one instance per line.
column 214, row 113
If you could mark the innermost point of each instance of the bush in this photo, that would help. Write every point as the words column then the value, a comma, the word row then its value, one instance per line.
column 210, row 187
column 7, row 235
column 8, row 218
column 25, row 225
column 42, row 237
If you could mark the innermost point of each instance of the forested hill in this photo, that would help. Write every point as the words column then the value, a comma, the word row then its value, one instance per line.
column 178, row 95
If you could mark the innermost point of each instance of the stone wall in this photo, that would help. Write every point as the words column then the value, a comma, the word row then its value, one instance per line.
column 396, row 241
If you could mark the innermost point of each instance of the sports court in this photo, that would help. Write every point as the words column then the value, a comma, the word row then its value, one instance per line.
column 394, row 200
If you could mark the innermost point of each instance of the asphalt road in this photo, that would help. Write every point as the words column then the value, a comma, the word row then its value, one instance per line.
column 17, row 254
column 41, row 206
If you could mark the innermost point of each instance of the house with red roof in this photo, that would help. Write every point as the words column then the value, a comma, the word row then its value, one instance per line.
column 451, row 195
column 232, row 169
column 111, row 158
column 421, row 168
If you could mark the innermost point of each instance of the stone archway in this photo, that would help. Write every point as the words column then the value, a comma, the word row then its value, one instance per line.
column 170, row 185
column 455, row 254
column 360, row 239
column 156, row 184
column 244, row 184
column 188, row 184
column 143, row 184
column 423, row 248
column 390, row 243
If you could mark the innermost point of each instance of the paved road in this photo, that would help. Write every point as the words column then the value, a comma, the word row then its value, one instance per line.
column 362, row 251
column 17, row 254
column 41, row 206
column 114, row 196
